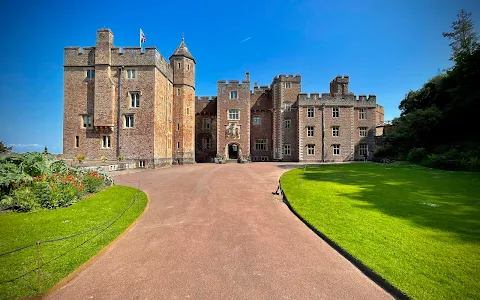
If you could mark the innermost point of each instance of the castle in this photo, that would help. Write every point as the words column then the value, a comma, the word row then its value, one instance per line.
column 134, row 103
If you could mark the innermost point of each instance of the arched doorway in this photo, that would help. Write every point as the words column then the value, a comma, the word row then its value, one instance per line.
column 233, row 151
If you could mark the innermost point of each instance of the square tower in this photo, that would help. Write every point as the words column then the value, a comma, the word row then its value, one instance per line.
column 233, row 115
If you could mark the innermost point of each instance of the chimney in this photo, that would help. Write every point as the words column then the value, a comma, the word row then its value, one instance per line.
column 247, row 76
column 255, row 84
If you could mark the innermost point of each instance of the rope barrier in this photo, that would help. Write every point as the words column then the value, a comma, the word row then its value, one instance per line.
column 111, row 221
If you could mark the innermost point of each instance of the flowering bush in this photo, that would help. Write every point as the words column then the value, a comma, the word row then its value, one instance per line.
column 46, row 184
column 93, row 181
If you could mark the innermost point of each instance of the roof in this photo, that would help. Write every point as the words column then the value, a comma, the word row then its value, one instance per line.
column 182, row 50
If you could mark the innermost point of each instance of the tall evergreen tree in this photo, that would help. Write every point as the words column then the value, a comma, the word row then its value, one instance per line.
column 463, row 36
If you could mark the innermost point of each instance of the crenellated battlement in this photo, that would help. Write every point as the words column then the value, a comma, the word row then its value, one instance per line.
column 328, row 99
column 261, row 89
column 340, row 79
column 287, row 78
column 205, row 98
column 126, row 56
column 234, row 83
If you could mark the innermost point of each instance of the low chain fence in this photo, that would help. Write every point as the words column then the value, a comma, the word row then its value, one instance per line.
column 32, row 258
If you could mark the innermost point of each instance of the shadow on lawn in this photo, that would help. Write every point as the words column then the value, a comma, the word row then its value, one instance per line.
column 441, row 200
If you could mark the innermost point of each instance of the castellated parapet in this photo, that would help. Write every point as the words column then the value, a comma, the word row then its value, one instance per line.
column 327, row 99
column 287, row 78
column 126, row 56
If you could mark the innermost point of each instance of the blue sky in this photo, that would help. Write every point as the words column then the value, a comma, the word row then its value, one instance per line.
column 387, row 48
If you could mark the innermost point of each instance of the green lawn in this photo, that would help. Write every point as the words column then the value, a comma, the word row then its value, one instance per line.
column 418, row 228
column 103, row 210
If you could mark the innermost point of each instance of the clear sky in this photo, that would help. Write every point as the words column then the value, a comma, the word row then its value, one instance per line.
column 387, row 48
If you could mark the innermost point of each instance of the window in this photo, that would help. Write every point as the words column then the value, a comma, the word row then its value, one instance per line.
column 141, row 164
column 363, row 131
column 178, row 145
column 335, row 112
column 233, row 94
column 310, row 131
column 87, row 122
column 233, row 114
column 91, row 74
column 131, row 74
column 169, row 145
column 335, row 131
column 188, row 67
column 363, row 149
column 257, row 120
column 129, row 121
column 77, row 141
column 206, row 123
column 287, row 85
column 179, row 65
column 288, row 106
column 178, row 126
column 287, row 123
column 206, row 143
column 178, row 92
column 261, row 144
column 134, row 99
column 362, row 114
column 310, row 112
column 105, row 141
column 188, row 111
column 336, row 149
column 311, row 149
column 287, row 149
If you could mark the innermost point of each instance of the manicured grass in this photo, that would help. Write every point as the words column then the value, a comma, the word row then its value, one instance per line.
column 418, row 228
column 61, row 258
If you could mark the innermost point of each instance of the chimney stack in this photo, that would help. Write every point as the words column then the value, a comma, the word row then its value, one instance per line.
column 247, row 76
column 255, row 84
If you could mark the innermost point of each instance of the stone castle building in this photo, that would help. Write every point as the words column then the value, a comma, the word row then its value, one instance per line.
column 133, row 103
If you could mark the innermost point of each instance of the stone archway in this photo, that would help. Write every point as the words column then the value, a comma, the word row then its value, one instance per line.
column 233, row 151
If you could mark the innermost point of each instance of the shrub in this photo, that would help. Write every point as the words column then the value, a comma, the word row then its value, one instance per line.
column 93, row 181
column 120, row 158
column 22, row 200
column 416, row 155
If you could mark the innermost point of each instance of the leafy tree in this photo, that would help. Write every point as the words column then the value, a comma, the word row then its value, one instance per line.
column 442, row 116
column 463, row 36
column 4, row 149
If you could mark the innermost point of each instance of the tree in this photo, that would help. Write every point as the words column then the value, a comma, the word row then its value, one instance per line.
column 463, row 36
column 4, row 149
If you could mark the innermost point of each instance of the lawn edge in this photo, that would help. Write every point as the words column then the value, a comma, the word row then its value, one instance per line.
column 95, row 257
column 375, row 277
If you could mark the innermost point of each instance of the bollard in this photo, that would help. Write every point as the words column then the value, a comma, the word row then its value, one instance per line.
column 38, row 267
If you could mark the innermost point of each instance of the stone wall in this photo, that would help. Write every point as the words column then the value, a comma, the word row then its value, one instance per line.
column 233, row 132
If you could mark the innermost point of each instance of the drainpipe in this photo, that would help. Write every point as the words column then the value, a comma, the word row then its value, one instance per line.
column 323, row 132
column 119, row 113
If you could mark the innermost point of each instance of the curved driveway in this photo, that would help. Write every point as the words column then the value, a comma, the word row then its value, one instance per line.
column 217, row 232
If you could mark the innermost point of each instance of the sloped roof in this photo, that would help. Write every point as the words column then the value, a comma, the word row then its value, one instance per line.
column 182, row 50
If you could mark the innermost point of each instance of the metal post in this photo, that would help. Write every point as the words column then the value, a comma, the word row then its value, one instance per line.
column 38, row 267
